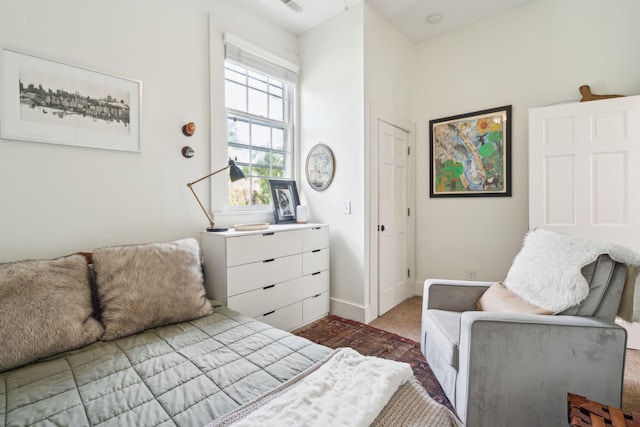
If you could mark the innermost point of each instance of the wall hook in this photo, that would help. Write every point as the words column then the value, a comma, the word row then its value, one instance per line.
column 189, row 129
column 188, row 152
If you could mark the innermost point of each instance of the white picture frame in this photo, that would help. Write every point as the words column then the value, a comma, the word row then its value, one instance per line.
column 48, row 101
column 320, row 167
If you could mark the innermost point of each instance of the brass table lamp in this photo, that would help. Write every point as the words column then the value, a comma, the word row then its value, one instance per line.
column 235, row 174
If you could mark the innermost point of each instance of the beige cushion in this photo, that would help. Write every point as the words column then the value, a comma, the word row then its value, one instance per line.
column 45, row 309
column 144, row 286
column 500, row 299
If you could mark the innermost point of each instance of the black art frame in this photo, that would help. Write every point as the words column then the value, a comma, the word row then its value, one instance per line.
column 470, row 154
column 284, row 199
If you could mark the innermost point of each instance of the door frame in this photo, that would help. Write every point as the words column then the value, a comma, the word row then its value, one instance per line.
column 376, row 114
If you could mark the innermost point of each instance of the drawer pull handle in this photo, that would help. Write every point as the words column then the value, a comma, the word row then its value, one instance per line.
column 316, row 250
column 271, row 312
column 317, row 228
column 269, row 260
column 268, row 234
column 316, row 296
column 268, row 287
column 316, row 273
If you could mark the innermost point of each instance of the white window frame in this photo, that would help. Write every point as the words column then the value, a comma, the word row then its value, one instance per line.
column 288, row 97
column 222, row 215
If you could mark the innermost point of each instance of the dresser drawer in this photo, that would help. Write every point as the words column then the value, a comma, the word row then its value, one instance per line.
column 315, row 307
column 315, row 283
column 247, row 277
column 315, row 238
column 270, row 275
column 287, row 318
column 315, row 261
column 259, row 247
column 267, row 299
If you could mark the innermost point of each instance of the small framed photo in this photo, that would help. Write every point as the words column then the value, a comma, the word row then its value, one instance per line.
column 284, row 199
column 44, row 100
column 471, row 154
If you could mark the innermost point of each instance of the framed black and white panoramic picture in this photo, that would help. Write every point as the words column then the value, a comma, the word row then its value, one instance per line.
column 48, row 101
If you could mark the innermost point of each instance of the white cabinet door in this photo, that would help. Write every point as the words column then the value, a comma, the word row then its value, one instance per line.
column 584, row 177
column 584, row 173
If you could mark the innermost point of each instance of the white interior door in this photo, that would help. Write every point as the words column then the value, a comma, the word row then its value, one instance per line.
column 392, row 216
column 584, row 177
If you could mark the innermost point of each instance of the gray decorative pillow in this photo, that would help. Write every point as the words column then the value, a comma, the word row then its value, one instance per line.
column 144, row 286
column 45, row 309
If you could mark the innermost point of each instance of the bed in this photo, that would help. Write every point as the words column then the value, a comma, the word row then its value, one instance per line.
column 126, row 336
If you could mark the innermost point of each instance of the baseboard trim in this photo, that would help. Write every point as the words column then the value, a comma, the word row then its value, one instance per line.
column 359, row 313
column 418, row 288
column 348, row 310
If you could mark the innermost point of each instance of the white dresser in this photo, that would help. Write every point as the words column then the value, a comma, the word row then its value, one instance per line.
column 279, row 275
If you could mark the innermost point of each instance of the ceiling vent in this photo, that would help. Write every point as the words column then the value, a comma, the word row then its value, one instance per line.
column 294, row 5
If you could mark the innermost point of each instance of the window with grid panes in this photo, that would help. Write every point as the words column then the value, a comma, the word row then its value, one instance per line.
column 259, row 132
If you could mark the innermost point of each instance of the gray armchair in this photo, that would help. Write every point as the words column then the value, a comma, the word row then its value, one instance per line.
column 508, row 369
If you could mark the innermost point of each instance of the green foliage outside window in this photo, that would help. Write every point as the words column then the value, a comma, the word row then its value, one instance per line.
column 258, row 133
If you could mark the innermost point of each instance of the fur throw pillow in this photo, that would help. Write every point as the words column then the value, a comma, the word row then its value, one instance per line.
column 45, row 308
column 547, row 270
column 144, row 286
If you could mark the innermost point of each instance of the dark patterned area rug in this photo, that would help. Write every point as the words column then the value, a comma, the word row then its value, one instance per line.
column 335, row 332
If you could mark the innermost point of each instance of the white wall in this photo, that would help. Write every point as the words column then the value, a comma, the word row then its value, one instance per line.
column 389, row 69
column 355, row 68
column 332, row 112
column 532, row 56
column 260, row 33
column 389, row 81
column 56, row 199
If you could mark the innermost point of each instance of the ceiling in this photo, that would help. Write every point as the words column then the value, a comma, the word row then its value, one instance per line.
column 408, row 16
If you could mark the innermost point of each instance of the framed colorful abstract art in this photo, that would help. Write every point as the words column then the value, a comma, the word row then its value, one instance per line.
column 471, row 154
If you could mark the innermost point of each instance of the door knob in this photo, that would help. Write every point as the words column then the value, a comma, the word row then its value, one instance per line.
column 382, row 227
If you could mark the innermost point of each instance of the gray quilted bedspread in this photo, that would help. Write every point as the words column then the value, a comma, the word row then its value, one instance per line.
column 185, row 374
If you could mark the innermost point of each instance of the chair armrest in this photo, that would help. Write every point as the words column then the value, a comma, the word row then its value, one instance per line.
column 523, row 365
column 452, row 295
column 471, row 319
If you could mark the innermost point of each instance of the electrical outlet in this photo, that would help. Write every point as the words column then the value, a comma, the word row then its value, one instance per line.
column 346, row 208
column 471, row 275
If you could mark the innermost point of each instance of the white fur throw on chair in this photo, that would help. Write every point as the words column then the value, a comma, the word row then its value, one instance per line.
column 547, row 270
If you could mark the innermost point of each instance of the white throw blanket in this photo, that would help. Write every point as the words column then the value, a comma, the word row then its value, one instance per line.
column 348, row 390
column 547, row 270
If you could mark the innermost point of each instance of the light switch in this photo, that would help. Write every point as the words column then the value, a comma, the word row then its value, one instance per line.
column 346, row 208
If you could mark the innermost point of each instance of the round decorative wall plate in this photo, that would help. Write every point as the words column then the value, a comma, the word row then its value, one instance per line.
column 320, row 167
